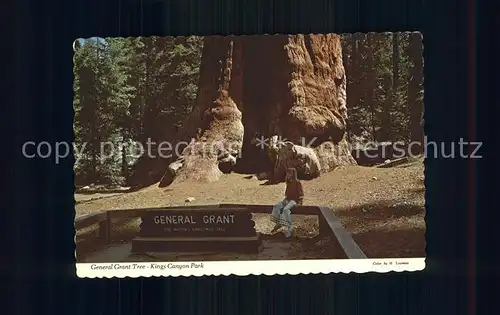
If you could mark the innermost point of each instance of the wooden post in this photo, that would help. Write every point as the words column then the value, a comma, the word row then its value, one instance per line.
column 324, row 228
column 105, row 229
column 344, row 238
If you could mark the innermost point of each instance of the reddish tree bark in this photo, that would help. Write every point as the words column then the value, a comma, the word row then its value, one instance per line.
column 293, row 86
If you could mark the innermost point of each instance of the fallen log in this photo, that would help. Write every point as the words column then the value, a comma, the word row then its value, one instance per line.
column 394, row 162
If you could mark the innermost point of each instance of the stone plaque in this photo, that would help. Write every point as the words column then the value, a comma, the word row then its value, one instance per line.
column 197, row 223
column 197, row 230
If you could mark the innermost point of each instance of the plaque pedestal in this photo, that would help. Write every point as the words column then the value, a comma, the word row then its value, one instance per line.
column 248, row 244
column 182, row 231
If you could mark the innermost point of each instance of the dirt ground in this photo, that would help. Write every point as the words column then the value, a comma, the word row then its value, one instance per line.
column 383, row 208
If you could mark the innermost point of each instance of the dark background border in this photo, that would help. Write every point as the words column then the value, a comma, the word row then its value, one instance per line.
column 42, row 275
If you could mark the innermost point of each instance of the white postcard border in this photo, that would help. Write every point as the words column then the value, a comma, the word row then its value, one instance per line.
column 245, row 268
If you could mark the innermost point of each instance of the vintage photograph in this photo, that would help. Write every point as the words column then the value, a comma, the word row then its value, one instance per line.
column 259, row 148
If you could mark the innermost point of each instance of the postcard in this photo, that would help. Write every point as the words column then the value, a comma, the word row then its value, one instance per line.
column 249, row 155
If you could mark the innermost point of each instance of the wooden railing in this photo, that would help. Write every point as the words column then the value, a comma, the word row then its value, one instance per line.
column 329, row 224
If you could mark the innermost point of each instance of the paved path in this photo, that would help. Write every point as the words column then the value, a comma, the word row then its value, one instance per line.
column 116, row 253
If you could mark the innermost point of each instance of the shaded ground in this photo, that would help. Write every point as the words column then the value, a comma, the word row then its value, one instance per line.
column 387, row 228
column 382, row 207
column 274, row 248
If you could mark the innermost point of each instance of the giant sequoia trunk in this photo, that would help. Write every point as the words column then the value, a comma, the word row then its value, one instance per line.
column 293, row 86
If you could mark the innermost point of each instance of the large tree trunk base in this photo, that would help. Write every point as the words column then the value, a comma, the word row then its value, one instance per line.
column 332, row 155
column 293, row 86
column 199, row 169
column 199, row 163
column 310, row 163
